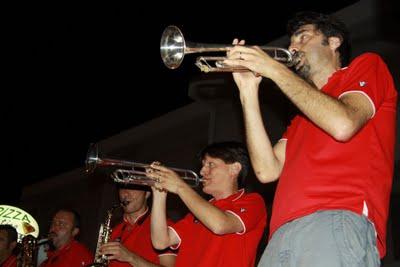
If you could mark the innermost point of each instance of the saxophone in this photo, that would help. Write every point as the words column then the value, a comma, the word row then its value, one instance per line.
column 28, row 253
column 101, row 260
column 27, row 257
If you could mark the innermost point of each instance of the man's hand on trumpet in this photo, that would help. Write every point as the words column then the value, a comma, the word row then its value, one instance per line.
column 253, row 58
column 166, row 179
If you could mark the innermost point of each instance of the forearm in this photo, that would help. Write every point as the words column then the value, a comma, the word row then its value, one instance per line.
column 266, row 164
column 330, row 114
column 138, row 261
column 159, row 228
column 213, row 218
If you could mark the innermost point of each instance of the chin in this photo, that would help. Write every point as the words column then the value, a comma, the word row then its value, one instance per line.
column 208, row 190
column 304, row 72
column 205, row 189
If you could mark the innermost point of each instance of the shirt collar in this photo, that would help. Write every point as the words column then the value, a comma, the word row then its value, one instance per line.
column 233, row 197
column 140, row 219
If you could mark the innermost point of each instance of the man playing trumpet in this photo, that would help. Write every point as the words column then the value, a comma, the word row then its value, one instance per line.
column 224, row 231
column 335, row 161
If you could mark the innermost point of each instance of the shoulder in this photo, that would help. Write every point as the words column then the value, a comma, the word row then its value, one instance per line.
column 81, row 247
column 252, row 197
column 118, row 226
column 366, row 58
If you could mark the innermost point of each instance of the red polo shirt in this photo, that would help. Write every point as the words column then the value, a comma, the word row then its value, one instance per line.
column 136, row 238
column 200, row 247
column 72, row 254
column 10, row 262
column 321, row 173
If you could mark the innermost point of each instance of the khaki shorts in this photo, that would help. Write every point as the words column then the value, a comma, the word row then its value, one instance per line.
column 331, row 238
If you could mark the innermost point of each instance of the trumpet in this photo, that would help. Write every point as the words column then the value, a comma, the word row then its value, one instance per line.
column 133, row 172
column 173, row 48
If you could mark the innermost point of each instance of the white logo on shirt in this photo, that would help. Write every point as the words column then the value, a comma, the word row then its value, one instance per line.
column 363, row 83
column 242, row 209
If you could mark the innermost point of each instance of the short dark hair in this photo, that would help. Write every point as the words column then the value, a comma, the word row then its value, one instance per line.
column 328, row 25
column 230, row 152
column 76, row 215
column 12, row 234
column 133, row 187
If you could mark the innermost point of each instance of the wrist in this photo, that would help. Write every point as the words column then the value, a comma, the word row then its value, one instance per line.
column 133, row 259
column 249, row 98
column 159, row 196
column 182, row 188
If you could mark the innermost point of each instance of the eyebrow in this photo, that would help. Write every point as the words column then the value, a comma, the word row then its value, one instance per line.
column 300, row 31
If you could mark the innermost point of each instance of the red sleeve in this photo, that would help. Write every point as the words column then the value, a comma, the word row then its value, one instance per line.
column 181, row 227
column 369, row 75
column 167, row 251
column 290, row 128
column 250, row 209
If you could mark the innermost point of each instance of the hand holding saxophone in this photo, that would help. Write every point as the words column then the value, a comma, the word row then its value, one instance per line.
column 116, row 251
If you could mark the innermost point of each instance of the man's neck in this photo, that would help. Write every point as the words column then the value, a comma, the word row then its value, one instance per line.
column 225, row 193
column 321, row 76
column 63, row 245
column 132, row 217
column 4, row 257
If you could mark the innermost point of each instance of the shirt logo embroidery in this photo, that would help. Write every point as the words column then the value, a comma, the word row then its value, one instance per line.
column 242, row 209
column 363, row 83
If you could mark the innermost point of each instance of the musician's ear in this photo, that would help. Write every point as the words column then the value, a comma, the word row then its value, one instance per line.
column 236, row 168
column 13, row 244
column 75, row 232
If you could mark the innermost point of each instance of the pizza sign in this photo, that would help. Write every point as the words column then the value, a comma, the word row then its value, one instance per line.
column 20, row 219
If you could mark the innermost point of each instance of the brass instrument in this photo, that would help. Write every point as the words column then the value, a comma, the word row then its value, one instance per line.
column 104, row 236
column 28, row 231
column 173, row 48
column 28, row 252
column 28, row 256
column 133, row 172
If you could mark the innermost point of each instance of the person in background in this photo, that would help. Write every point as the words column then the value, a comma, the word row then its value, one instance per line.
column 130, row 240
column 8, row 244
column 65, row 250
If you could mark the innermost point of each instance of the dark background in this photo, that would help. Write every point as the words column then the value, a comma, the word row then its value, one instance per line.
column 79, row 73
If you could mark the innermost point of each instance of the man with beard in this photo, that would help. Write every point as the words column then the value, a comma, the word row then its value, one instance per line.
column 8, row 243
column 64, row 249
column 224, row 231
column 335, row 161
column 130, row 240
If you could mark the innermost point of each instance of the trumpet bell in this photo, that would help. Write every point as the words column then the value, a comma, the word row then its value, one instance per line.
column 129, row 172
column 172, row 47
column 92, row 158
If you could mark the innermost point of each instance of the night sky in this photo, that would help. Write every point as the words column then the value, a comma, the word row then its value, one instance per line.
column 80, row 73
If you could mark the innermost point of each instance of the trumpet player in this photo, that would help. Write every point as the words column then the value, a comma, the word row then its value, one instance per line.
column 64, row 249
column 224, row 231
column 8, row 244
column 332, row 199
column 130, row 243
